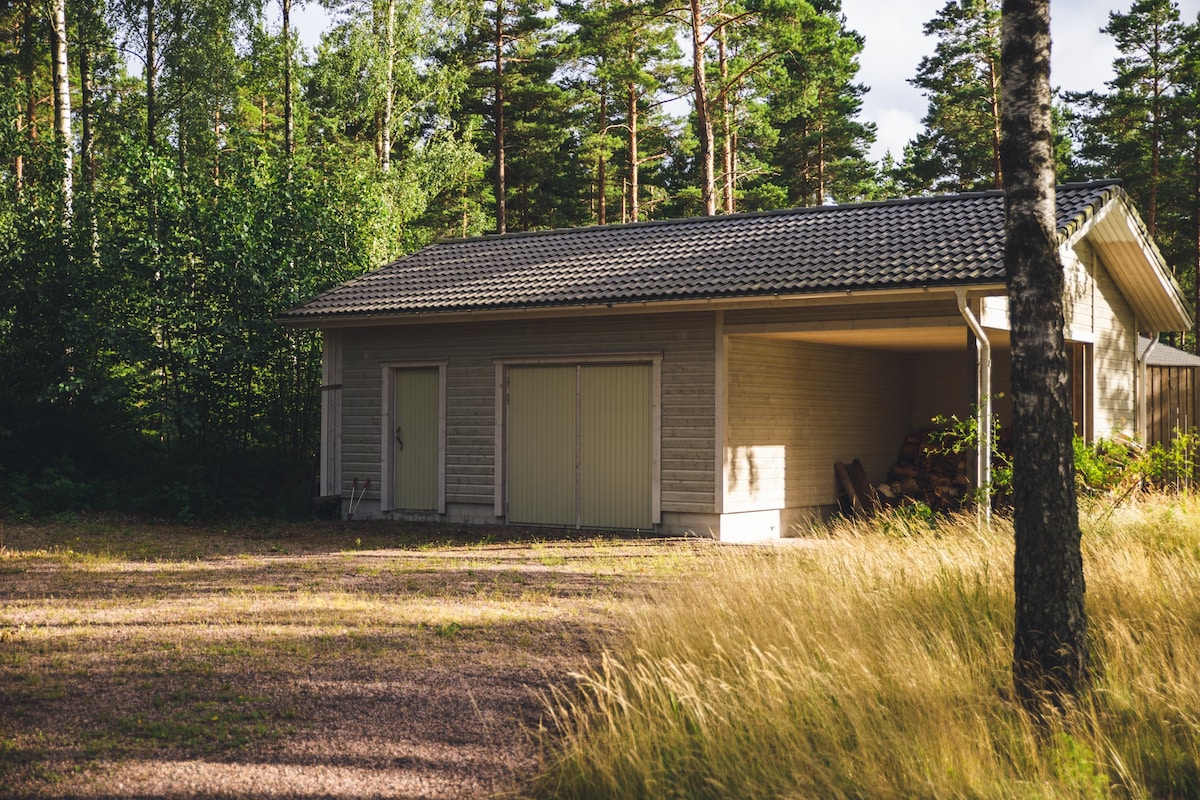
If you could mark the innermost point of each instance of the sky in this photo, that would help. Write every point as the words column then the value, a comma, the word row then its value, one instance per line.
column 1081, row 56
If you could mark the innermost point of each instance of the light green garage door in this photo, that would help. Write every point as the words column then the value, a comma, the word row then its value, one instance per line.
column 418, row 400
column 541, row 445
column 580, row 445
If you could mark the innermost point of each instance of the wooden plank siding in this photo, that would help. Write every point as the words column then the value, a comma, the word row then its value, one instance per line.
column 1114, row 359
column 795, row 408
column 686, row 342
column 944, row 384
column 1097, row 313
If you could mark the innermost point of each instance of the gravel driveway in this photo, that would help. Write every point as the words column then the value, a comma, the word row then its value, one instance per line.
column 327, row 661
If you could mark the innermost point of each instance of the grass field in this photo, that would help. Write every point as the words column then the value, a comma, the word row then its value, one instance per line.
column 879, row 666
column 350, row 660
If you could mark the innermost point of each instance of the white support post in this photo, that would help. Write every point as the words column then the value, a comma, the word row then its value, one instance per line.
column 983, row 383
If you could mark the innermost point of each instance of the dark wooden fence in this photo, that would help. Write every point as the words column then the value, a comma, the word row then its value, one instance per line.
column 1171, row 402
column 1173, row 394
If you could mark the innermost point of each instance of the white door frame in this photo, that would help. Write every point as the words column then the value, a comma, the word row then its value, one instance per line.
column 501, row 430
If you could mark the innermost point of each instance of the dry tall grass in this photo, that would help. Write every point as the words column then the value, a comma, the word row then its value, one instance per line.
column 876, row 665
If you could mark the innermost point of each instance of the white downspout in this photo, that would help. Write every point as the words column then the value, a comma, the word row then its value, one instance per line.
column 1143, row 394
column 983, row 382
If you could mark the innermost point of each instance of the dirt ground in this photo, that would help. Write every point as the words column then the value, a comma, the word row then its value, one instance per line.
column 330, row 660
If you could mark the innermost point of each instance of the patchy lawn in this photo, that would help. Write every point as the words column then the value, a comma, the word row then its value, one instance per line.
column 269, row 660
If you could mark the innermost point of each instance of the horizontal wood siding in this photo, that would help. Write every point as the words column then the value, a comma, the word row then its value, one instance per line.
column 1097, row 312
column 1002, row 384
column 1079, row 288
column 944, row 384
column 796, row 408
column 686, row 342
column 1114, row 357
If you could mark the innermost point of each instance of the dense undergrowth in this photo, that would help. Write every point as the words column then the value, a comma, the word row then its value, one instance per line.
column 875, row 663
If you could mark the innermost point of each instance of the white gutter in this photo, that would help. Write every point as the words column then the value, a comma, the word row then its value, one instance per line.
column 326, row 320
column 983, row 383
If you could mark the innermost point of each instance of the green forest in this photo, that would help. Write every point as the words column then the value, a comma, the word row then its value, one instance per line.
column 176, row 173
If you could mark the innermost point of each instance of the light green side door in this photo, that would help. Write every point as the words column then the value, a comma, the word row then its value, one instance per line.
column 615, row 446
column 417, row 438
column 541, row 445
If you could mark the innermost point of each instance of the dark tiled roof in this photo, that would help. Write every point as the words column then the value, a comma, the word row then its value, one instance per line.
column 923, row 242
column 1163, row 355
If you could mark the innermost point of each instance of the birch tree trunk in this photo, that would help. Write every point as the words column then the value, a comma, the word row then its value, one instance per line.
column 87, row 141
column 1050, row 654
column 1196, row 236
column 62, row 102
column 385, row 149
column 151, row 76
column 87, row 148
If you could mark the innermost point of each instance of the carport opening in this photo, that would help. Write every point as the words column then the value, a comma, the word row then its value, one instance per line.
column 800, row 402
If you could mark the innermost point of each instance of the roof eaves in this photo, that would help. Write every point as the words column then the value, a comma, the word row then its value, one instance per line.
column 707, row 300
column 1072, row 226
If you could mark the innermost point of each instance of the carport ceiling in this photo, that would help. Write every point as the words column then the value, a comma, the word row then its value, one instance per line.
column 914, row 339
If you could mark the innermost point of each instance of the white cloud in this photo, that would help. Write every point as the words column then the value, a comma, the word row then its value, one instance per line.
column 896, row 127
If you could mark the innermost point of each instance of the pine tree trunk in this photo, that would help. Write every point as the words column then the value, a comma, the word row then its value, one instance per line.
column 704, row 130
column 1050, row 655
column 289, row 124
column 820, row 166
column 997, row 168
column 498, row 113
column 27, row 121
column 602, row 162
column 631, row 114
column 728, row 178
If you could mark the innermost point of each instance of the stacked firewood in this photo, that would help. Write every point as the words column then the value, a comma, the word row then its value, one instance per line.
column 926, row 472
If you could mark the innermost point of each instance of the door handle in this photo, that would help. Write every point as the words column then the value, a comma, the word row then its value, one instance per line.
column 400, row 436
